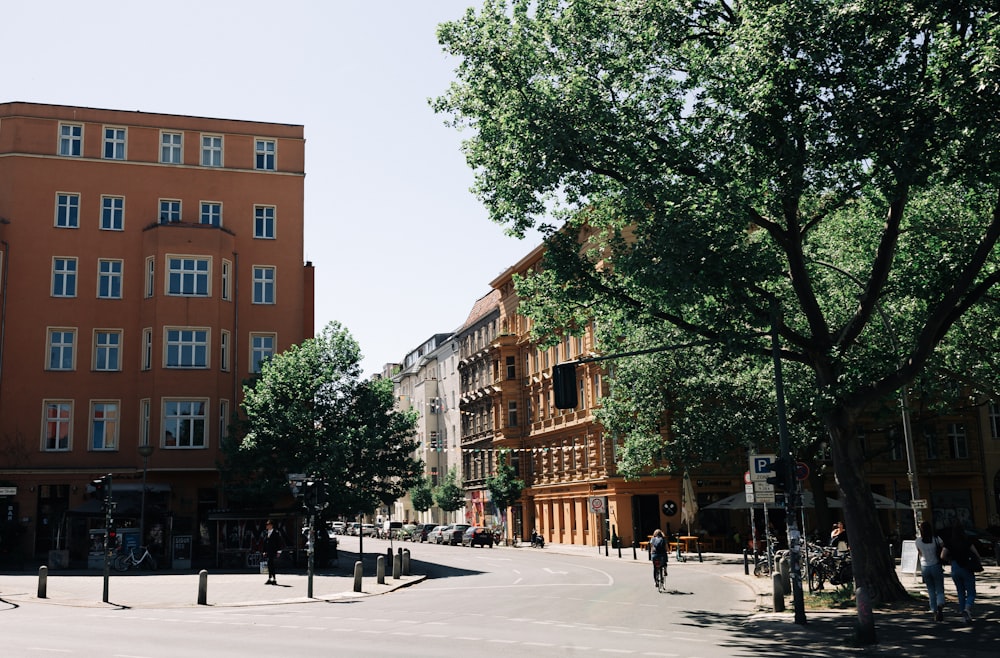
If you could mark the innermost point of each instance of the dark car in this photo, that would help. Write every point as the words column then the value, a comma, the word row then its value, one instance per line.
column 421, row 531
column 477, row 535
column 454, row 534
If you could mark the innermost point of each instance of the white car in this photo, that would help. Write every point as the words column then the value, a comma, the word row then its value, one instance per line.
column 338, row 527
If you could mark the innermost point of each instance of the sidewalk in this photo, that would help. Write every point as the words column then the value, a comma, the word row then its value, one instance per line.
column 165, row 589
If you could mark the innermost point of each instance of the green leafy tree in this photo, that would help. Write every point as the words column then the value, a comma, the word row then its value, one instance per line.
column 504, row 486
column 710, row 161
column 422, row 496
column 449, row 495
column 309, row 412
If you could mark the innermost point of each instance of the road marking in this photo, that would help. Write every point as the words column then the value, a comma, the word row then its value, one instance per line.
column 563, row 573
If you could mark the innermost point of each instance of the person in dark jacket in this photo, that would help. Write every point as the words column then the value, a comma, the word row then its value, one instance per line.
column 273, row 543
column 959, row 552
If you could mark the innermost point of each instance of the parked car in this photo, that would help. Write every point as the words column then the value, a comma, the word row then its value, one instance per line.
column 421, row 531
column 338, row 527
column 477, row 535
column 454, row 536
column 368, row 529
column 436, row 536
column 404, row 533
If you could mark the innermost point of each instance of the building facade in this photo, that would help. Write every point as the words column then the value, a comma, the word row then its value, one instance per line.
column 427, row 381
column 149, row 263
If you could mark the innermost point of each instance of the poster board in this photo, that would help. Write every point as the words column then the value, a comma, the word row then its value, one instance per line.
column 908, row 562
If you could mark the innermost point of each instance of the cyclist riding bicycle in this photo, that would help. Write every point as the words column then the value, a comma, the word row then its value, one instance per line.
column 658, row 554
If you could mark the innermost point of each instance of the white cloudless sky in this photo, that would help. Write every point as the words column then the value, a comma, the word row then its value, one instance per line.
column 402, row 249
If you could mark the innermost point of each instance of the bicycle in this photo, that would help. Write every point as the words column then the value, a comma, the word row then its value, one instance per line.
column 124, row 561
column 659, row 572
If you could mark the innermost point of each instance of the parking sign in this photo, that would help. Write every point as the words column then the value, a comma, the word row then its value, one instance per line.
column 760, row 467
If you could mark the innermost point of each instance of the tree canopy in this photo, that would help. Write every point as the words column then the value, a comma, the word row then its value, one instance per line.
column 714, row 167
column 309, row 412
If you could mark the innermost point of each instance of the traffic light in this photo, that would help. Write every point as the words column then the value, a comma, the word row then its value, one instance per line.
column 112, row 536
column 314, row 495
column 782, row 478
column 564, row 385
column 99, row 488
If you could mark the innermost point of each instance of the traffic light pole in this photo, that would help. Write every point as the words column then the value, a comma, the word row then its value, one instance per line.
column 107, row 536
column 792, row 500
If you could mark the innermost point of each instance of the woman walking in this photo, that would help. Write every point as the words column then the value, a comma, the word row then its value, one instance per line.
column 959, row 551
column 929, row 547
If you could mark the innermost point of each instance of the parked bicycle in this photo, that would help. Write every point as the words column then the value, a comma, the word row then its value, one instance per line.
column 827, row 565
column 128, row 559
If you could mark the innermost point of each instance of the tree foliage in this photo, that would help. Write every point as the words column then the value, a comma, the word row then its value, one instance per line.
column 309, row 412
column 421, row 495
column 449, row 495
column 504, row 486
column 718, row 167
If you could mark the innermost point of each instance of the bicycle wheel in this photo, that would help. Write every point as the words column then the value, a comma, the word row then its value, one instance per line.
column 816, row 576
column 762, row 568
column 120, row 562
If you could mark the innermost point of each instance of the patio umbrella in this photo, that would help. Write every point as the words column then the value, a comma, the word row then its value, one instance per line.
column 689, row 503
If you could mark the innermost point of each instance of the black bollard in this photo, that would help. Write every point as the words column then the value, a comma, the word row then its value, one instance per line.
column 203, row 587
column 43, row 581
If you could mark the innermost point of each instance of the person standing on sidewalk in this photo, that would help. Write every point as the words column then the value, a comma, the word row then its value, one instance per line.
column 273, row 543
column 929, row 547
column 959, row 552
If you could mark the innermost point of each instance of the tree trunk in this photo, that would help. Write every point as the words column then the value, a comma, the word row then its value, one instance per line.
column 873, row 564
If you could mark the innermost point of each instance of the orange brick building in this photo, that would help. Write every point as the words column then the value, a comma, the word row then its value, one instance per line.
column 148, row 262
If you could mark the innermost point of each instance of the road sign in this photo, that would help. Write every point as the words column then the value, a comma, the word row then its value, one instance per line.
column 597, row 504
column 801, row 471
column 760, row 467
column 746, row 478
column 749, row 491
column 8, row 491
column 919, row 503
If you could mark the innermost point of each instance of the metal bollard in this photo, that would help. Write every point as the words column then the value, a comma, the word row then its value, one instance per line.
column 358, row 572
column 380, row 570
column 779, row 593
column 203, row 587
column 746, row 563
column 397, row 566
column 785, row 569
column 43, row 581
column 406, row 562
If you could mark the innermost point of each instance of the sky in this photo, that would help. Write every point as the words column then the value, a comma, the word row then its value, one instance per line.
column 402, row 248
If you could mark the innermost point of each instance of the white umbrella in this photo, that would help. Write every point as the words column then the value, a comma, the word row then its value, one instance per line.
column 689, row 503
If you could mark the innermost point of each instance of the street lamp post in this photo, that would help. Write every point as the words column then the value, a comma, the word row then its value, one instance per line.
column 145, row 450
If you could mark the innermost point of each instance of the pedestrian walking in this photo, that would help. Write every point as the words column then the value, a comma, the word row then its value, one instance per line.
column 963, row 556
column 273, row 543
column 929, row 546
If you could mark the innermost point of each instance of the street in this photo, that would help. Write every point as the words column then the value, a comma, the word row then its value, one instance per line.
column 522, row 602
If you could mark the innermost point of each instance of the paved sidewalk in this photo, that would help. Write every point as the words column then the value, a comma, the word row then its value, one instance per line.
column 171, row 589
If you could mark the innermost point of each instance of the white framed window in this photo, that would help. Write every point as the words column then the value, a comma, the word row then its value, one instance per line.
column 57, row 425
column 71, row 139
column 144, row 421
column 60, row 348
column 958, row 441
column 109, row 278
column 263, row 222
column 227, row 280
column 107, row 350
column 264, row 152
column 223, row 419
column 171, row 148
column 896, row 447
column 147, row 348
column 184, row 423
column 211, row 213
column 112, row 213
column 114, row 143
column 188, row 276
column 211, row 150
column 261, row 349
column 170, row 211
column 67, row 210
column 63, row 277
column 224, row 350
column 186, row 347
column 993, row 410
column 931, row 441
column 263, row 284
column 104, row 425
column 150, row 276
